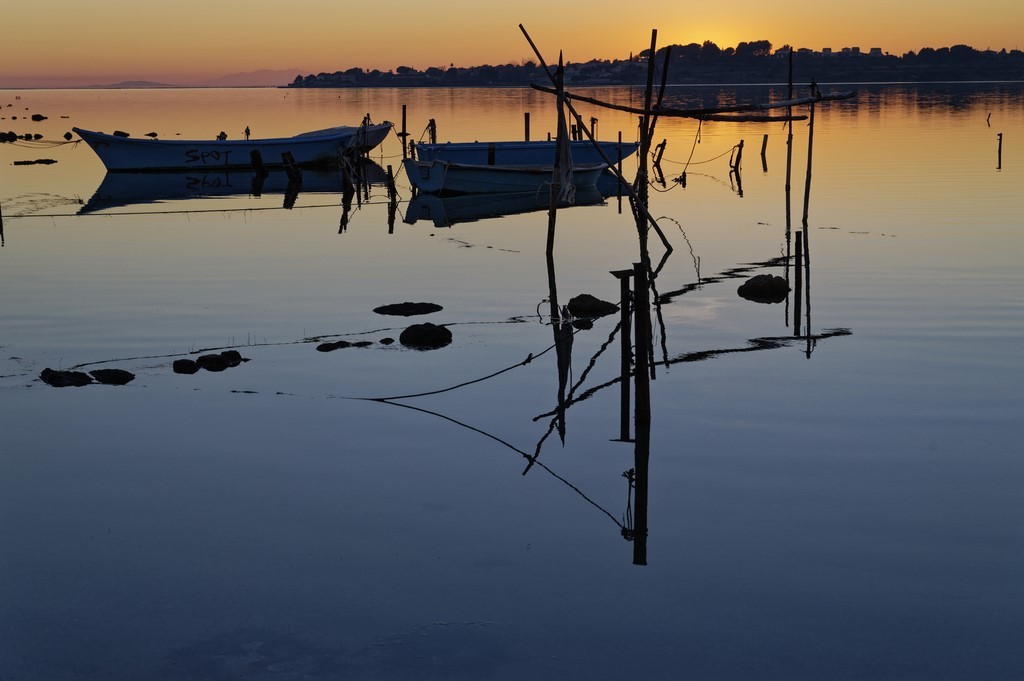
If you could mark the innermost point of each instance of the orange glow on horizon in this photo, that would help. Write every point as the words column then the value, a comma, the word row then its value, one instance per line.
column 191, row 40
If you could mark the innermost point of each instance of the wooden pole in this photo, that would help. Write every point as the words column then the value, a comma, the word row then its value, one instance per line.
column 568, row 105
column 703, row 113
column 999, row 158
column 810, row 157
column 641, row 184
column 807, row 184
column 618, row 183
column 738, row 157
column 659, row 152
column 556, row 173
column 526, row 125
column 392, row 192
column 404, row 135
column 764, row 149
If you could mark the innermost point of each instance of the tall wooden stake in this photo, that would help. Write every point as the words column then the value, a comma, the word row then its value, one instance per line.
column 642, row 207
column 807, row 184
column 404, row 135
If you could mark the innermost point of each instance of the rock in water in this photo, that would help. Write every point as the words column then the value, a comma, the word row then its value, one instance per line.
column 212, row 362
column 185, row 366
column 112, row 376
column 64, row 379
column 330, row 347
column 232, row 357
column 764, row 288
column 586, row 305
column 408, row 309
column 426, row 336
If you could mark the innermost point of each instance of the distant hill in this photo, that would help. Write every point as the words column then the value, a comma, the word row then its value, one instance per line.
column 132, row 84
column 260, row 78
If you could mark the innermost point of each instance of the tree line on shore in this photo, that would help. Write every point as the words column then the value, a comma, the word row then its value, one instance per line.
column 748, row 62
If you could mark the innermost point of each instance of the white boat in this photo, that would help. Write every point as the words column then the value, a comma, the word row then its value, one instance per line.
column 521, row 153
column 460, row 178
column 317, row 148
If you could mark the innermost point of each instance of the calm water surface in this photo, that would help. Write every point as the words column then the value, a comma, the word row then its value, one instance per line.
column 844, row 504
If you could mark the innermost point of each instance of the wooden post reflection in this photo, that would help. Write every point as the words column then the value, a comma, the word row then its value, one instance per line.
column 642, row 410
column 626, row 353
column 798, row 287
column 789, row 175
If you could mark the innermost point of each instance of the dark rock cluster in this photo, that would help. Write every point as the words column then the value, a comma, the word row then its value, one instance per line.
column 77, row 379
column 337, row 345
column 764, row 288
column 213, row 362
column 426, row 336
column 408, row 309
column 587, row 306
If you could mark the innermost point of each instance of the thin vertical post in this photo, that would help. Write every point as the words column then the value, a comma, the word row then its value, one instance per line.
column 618, row 184
column 764, row 150
column 999, row 158
column 738, row 157
column 810, row 156
column 645, row 149
column 526, row 125
column 404, row 135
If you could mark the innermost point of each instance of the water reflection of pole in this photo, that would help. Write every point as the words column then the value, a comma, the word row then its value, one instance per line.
column 642, row 410
column 789, row 173
column 392, row 201
column 626, row 365
column 348, row 191
column 562, row 331
column 806, row 230
column 798, row 287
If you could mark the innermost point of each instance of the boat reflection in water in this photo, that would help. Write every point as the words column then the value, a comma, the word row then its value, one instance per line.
column 120, row 190
column 445, row 211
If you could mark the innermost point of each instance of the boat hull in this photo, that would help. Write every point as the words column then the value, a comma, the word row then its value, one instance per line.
column 455, row 178
column 521, row 153
column 322, row 148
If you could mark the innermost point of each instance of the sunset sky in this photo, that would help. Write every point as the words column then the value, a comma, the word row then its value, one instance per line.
column 60, row 42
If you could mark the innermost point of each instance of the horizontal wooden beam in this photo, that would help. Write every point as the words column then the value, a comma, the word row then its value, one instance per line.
column 700, row 113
